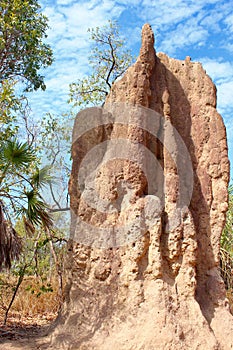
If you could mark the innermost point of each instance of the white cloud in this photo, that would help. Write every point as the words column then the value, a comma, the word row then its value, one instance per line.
column 69, row 39
column 64, row 2
column 88, row 14
column 57, row 23
column 221, row 72
column 229, row 47
column 211, row 21
column 199, row 26
column 177, row 25
column 164, row 13
column 185, row 34
column 133, row 35
column 229, row 22
column 225, row 96
column 218, row 70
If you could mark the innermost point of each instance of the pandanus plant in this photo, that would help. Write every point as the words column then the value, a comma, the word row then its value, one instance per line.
column 21, row 182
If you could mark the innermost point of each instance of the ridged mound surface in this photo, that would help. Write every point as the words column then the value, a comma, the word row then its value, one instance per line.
column 158, row 287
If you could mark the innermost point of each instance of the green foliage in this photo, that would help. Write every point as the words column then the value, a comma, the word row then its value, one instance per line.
column 36, row 210
column 108, row 61
column 36, row 253
column 10, row 106
column 55, row 146
column 43, row 289
column 22, row 50
column 227, row 235
column 22, row 54
column 41, row 177
column 39, row 260
column 20, row 197
column 16, row 155
column 226, row 251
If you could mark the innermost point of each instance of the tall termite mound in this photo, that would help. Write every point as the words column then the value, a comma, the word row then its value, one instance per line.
column 148, row 196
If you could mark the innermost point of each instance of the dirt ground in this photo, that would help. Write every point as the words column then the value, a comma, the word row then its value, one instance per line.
column 22, row 337
column 26, row 334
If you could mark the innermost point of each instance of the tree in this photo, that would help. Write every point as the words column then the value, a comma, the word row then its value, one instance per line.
column 22, row 54
column 22, row 50
column 20, row 183
column 108, row 61
column 41, row 261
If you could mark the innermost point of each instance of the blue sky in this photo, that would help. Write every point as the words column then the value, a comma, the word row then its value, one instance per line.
column 197, row 28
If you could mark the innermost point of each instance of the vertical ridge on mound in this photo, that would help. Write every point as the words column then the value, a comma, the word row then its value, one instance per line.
column 148, row 215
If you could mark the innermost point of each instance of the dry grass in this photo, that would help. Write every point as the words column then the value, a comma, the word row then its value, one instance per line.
column 35, row 303
column 226, row 268
column 230, row 298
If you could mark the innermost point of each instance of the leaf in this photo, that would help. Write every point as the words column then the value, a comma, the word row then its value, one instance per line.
column 108, row 61
column 37, row 211
column 23, row 52
column 16, row 154
column 42, row 177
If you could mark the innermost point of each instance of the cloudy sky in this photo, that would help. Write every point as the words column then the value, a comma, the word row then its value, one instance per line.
column 202, row 29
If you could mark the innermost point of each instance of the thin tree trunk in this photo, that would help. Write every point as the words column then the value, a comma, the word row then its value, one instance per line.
column 58, row 270
column 20, row 280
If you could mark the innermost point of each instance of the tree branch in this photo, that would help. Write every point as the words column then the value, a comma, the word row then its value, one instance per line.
column 113, row 63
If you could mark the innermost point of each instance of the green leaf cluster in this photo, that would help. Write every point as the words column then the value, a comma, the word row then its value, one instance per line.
column 23, row 53
column 108, row 61
column 227, row 235
column 22, row 49
column 20, row 196
column 226, row 251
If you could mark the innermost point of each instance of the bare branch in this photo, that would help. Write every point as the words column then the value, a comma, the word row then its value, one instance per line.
column 57, row 210
column 53, row 196
column 113, row 63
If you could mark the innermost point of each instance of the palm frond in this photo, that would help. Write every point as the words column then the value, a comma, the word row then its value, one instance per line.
column 16, row 153
column 37, row 211
column 42, row 177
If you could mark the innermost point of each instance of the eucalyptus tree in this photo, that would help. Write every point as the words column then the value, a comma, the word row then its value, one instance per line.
column 109, row 59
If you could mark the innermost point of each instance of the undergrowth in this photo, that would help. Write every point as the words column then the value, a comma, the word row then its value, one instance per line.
column 37, row 301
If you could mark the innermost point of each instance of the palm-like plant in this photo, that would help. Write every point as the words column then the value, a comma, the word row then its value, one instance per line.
column 20, row 184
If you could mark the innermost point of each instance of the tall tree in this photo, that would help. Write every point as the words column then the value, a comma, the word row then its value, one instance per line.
column 22, row 54
column 22, row 49
column 108, row 61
